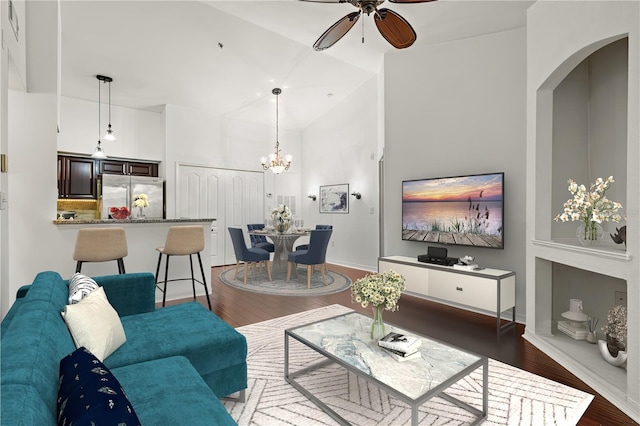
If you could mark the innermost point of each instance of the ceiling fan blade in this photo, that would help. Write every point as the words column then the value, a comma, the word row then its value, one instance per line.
column 394, row 28
column 331, row 1
column 403, row 1
column 337, row 30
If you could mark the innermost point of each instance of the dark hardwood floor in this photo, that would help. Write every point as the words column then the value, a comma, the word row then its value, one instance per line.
column 458, row 327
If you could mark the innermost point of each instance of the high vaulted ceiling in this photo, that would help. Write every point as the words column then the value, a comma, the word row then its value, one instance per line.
column 226, row 56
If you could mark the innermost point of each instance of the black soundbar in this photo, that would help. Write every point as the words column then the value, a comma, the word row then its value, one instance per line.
column 447, row 261
column 437, row 256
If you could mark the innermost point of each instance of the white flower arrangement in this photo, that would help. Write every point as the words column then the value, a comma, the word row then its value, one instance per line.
column 281, row 214
column 380, row 290
column 590, row 206
column 140, row 200
column 617, row 323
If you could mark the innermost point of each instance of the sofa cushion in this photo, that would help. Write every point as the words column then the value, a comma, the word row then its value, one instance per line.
column 32, row 346
column 79, row 287
column 187, row 329
column 89, row 394
column 131, row 293
column 95, row 325
column 22, row 405
column 170, row 391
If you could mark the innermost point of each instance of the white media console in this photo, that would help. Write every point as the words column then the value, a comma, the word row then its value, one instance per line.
column 491, row 290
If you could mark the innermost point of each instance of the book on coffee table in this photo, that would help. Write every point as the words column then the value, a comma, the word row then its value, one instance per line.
column 400, row 342
column 401, row 356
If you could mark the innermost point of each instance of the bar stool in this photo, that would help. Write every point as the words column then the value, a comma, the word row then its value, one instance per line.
column 100, row 245
column 182, row 241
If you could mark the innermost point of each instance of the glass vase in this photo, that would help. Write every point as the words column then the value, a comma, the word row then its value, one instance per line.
column 589, row 233
column 282, row 227
column 140, row 212
column 377, row 326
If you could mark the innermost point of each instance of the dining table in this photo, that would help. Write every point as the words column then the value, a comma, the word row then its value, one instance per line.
column 282, row 242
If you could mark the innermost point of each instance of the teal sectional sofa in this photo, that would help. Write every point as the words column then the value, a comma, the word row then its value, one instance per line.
column 175, row 365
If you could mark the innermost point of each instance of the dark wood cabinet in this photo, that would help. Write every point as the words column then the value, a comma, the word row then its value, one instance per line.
column 76, row 177
column 112, row 167
column 132, row 168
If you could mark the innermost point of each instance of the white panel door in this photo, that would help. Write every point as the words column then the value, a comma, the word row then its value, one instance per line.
column 234, row 197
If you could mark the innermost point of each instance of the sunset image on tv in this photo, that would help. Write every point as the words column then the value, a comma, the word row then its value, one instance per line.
column 462, row 210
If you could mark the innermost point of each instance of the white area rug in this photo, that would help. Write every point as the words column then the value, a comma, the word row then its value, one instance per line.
column 297, row 285
column 516, row 397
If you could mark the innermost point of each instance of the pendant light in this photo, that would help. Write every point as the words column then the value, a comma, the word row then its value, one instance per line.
column 109, row 136
column 99, row 152
column 276, row 163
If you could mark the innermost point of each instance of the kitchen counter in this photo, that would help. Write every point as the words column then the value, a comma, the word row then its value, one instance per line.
column 125, row 222
column 143, row 237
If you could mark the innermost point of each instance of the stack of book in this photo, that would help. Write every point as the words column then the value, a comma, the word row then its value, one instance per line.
column 401, row 346
column 574, row 330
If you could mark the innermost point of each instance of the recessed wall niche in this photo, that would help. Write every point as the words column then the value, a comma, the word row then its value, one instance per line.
column 597, row 292
column 590, row 130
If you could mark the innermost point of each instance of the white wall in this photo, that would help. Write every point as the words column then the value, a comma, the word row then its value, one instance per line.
column 458, row 108
column 32, row 189
column 140, row 134
column 342, row 147
column 201, row 138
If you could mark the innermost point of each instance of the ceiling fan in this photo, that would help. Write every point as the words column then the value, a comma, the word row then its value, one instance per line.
column 393, row 27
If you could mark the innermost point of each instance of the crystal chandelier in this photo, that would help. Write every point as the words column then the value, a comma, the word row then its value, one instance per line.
column 276, row 163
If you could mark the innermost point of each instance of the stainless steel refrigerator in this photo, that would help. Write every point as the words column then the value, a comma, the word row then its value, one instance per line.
column 120, row 191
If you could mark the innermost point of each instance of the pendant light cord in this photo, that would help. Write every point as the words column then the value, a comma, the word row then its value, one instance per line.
column 99, row 102
column 109, row 104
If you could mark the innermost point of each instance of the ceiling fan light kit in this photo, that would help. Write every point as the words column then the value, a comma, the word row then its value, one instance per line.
column 393, row 27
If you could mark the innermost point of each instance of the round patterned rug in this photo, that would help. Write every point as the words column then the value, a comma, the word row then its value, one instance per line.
column 297, row 285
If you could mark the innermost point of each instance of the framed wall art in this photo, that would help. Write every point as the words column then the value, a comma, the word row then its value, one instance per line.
column 334, row 198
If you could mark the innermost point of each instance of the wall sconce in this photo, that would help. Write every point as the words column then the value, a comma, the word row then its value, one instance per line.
column 313, row 197
column 357, row 195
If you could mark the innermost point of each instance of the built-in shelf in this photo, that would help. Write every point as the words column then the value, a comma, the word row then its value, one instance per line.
column 617, row 252
column 603, row 259
column 584, row 360
column 583, row 128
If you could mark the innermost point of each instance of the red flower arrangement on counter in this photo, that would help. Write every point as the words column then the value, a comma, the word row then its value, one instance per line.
column 119, row 213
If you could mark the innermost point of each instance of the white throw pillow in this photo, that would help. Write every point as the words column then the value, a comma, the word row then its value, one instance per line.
column 95, row 325
column 79, row 287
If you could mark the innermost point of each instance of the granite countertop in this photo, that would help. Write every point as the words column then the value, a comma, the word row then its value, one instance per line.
column 126, row 221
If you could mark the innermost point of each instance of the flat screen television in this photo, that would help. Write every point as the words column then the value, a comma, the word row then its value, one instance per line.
column 459, row 210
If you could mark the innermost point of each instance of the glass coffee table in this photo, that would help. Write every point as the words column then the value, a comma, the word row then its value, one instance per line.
column 345, row 340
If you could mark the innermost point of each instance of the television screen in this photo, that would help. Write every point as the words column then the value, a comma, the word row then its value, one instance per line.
column 461, row 210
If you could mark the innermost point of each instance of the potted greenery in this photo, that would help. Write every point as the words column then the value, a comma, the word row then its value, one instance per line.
column 613, row 348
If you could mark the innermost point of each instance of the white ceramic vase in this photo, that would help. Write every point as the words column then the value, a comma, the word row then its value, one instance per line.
column 617, row 361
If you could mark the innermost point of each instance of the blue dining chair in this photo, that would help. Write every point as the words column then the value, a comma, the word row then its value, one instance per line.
column 248, row 255
column 306, row 246
column 315, row 255
column 259, row 241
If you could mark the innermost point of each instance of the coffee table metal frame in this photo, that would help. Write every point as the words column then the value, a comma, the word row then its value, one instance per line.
column 413, row 403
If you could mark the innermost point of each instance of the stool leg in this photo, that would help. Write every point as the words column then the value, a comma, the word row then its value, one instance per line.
column 204, row 281
column 158, row 267
column 193, row 279
column 121, row 266
column 166, row 274
column 78, row 266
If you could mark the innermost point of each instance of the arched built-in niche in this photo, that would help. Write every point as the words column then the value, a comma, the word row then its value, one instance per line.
column 556, row 160
column 581, row 132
